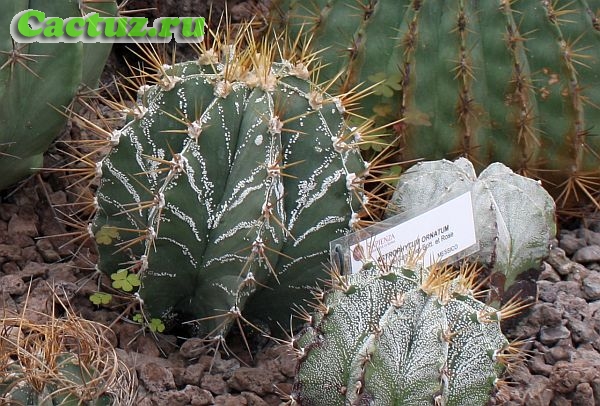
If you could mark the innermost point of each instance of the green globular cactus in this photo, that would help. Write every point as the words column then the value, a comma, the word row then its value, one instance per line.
column 505, row 81
column 514, row 215
column 70, row 385
column 224, row 188
column 395, row 335
column 38, row 81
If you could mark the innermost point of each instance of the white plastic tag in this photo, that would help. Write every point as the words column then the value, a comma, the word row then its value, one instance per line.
column 444, row 233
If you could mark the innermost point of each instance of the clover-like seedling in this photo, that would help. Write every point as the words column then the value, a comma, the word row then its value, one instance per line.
column 100, row 298
column 155, row 325
column 106, row 235
column 124, row 280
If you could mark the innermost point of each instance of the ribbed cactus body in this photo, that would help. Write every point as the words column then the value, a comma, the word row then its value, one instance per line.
column 508, row 81
column 228, row 183
column 514, row 216
column 37, row 82
column 400, row 336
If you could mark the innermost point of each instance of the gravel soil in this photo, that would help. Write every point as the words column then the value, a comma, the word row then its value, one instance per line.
column 562, row 328
column 42, row 261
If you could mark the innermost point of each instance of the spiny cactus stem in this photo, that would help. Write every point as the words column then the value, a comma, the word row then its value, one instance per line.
column 464, row 75
column 439, row 293
column 572, row 57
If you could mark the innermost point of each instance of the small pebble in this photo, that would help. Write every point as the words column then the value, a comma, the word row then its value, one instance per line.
column 584, row 255
column 551, row 335
column 570, row 243
column 591, row 286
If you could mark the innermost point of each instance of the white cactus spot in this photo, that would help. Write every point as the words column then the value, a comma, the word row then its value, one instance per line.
column 339, row 105
column 139, row 111
column 178, row 163
column 351, row 181
column 115, row 136
column 159, row 200
column 300, row 70
column 99, row 169
column 143, row 89
column 259, row 139
column 151, row 233
column 339, row 145
column 208, row 57
column 168, row 82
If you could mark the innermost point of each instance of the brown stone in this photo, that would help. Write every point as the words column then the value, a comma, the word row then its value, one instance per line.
column 22, row 225
column 12, row 285
column 257, row 380
column 156, row 378
column 214, row 383
column 230, row 400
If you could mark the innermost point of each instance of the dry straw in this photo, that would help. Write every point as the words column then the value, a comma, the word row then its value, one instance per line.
column 63, row 356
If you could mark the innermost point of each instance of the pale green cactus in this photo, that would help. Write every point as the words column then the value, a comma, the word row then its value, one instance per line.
column 514, row 215
column 401, row 336
column 38, row 81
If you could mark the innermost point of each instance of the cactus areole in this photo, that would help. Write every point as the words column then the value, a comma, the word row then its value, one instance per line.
column 225, row 187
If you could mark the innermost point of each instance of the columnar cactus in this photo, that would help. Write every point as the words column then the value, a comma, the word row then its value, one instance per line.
column 514, row 216
column 502, row 81
column 38, row 80
column 225, row 187
column 395, row 335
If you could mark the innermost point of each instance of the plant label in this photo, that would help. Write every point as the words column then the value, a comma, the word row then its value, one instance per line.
column 444, row 233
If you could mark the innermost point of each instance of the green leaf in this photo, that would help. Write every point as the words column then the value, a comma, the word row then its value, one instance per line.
column 124, row 280
column 157, row 325
column 386, row 83
column 100, row 298
column 106, row 235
